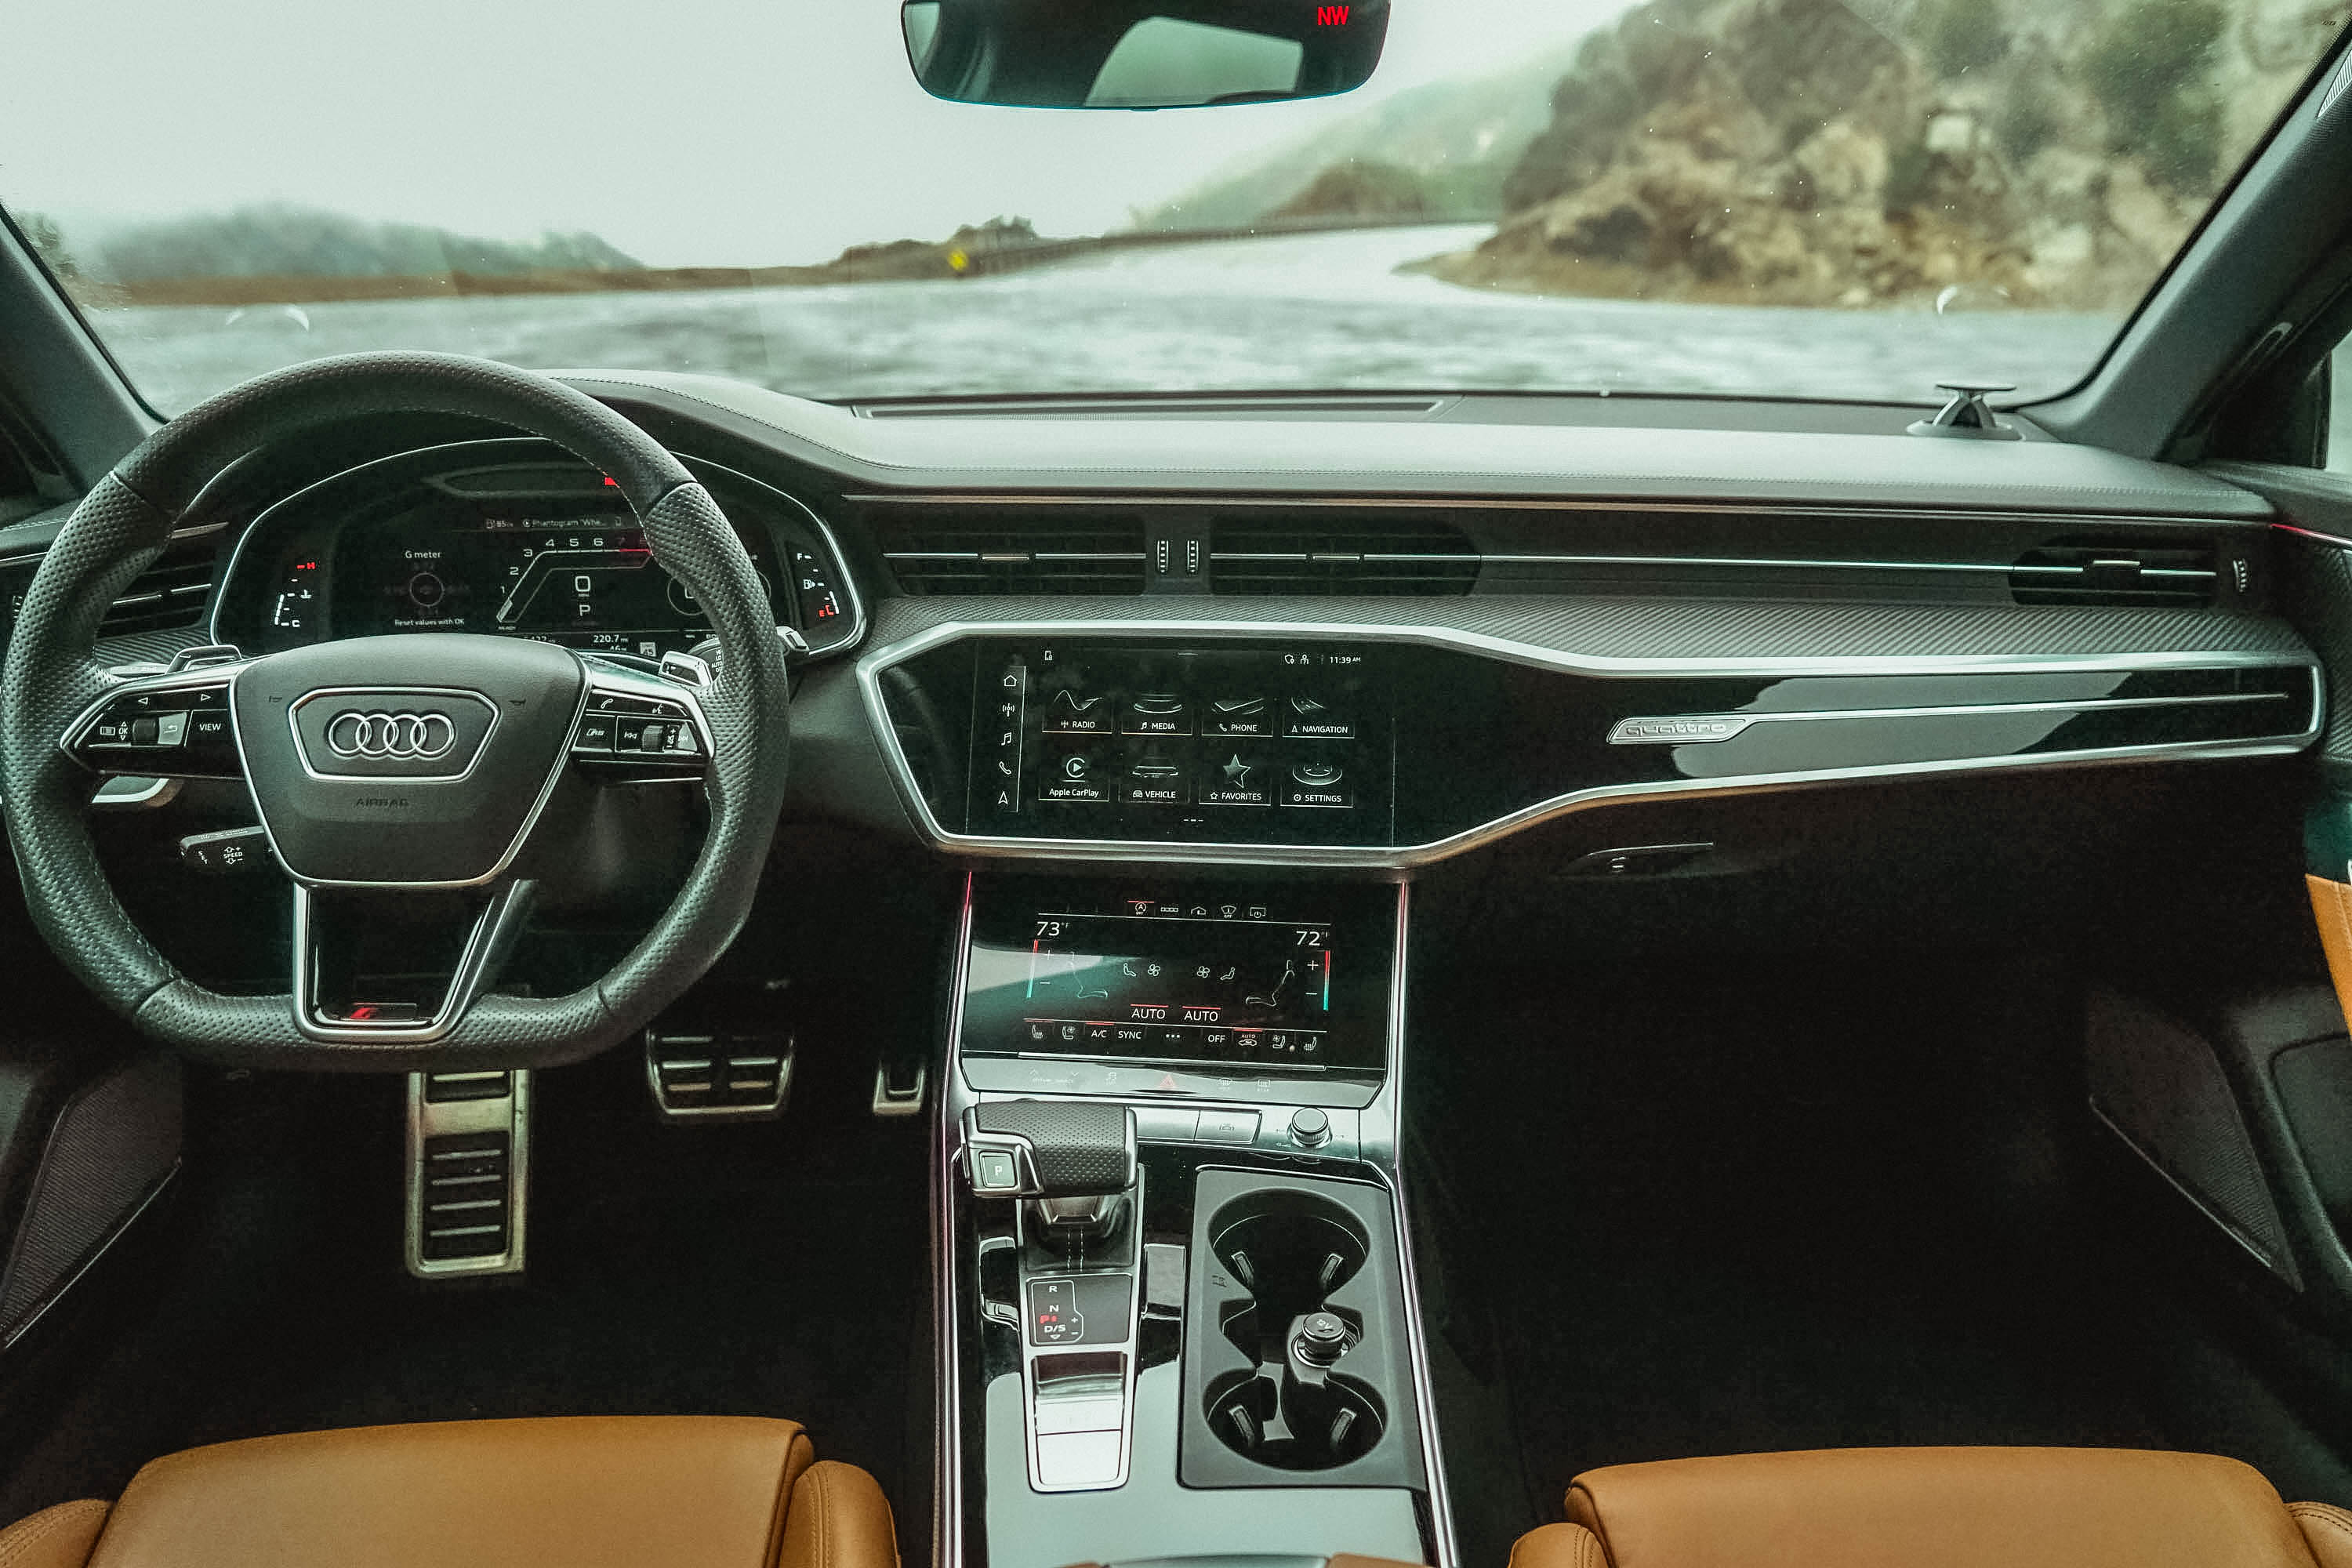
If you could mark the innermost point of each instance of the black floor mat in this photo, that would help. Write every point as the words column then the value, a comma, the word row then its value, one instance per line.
column 1679, row 1219
column 776, row 1269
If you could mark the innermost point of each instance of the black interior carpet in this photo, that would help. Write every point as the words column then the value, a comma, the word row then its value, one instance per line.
column 1687, row 1213
column 773, row 1270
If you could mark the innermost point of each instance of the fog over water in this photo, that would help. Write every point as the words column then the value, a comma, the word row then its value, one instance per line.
column 1326, row 310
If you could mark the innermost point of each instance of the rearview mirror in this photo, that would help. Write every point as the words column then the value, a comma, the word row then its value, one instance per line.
column 1141, row 54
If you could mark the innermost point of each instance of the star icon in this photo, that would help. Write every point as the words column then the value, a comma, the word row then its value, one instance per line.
column 1237, row 771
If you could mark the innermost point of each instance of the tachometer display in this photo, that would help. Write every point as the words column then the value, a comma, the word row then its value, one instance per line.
column 535, row 568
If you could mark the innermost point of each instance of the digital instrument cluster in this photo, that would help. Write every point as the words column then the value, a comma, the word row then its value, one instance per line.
column 545, row 551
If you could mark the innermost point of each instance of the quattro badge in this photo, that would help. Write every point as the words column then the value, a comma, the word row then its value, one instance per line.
column 1675, row 732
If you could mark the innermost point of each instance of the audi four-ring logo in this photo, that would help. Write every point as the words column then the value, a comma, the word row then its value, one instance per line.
column 383, row 737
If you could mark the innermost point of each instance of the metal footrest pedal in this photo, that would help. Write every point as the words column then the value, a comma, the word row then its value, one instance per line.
column 468, row 1172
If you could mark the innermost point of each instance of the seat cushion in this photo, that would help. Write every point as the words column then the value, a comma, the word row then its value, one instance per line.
column 647, row 1492
column 1938, row 1507
column 57, row 1537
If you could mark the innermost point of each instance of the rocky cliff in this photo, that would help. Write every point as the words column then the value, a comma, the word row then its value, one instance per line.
column 1956, row 151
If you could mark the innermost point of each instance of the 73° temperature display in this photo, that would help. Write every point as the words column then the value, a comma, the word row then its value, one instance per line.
column 1167, row 981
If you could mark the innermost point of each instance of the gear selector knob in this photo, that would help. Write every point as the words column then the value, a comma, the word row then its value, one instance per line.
column 1049, row 1149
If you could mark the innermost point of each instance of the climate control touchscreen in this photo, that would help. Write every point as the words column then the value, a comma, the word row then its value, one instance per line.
column 1295, row 980
column 1239, row 744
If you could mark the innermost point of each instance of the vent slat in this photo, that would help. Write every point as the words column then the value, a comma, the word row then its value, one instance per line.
column 1090, row 555
column 1400, row 557
column 2128, row 575
column 167, row 597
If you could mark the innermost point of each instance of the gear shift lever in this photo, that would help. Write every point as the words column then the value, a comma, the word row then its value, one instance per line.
column 1073, row 1159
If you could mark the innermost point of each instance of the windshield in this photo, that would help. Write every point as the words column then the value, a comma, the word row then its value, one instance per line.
column 1778, row 198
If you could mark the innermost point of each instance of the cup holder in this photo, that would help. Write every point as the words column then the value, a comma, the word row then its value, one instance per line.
column 1288, row 1249
column 1293, row 1409
column 1295, row 1426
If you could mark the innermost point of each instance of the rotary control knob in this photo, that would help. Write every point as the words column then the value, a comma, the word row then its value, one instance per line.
column 1309, row 1128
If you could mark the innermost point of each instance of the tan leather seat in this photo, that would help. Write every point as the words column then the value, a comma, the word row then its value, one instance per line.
column 1938, row 1507
column 640, row 1491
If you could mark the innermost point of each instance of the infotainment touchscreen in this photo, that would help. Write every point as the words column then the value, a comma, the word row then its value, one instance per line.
column 1072, row 739
column 1295, row 979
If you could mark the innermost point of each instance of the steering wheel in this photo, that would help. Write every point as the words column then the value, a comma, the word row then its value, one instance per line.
column 389, row 768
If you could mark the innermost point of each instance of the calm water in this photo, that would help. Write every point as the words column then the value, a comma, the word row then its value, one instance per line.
column 1302, row 311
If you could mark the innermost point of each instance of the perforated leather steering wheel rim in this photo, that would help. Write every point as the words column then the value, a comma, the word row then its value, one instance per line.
column 125, row 522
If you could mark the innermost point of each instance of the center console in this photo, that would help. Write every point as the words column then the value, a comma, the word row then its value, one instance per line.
column 1178, row 1306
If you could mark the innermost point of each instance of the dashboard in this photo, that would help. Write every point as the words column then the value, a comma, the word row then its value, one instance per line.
column 1392, row 745
column 1052, row 638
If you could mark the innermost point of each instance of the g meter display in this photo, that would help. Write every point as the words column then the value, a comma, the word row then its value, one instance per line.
column 1227, row 980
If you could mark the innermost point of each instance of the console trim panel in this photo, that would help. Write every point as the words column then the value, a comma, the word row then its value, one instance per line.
column 871, row 667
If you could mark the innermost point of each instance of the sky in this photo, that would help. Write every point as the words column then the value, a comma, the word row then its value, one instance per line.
column 720, row 133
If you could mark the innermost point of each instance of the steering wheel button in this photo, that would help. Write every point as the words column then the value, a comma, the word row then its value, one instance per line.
column 595, row 733
column 170, row 728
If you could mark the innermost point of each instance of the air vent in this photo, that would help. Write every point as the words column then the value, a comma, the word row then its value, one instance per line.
column 167, row 597
column 2097, row 572
column 163, row 598
column 1056, row 555
column 1405, row 556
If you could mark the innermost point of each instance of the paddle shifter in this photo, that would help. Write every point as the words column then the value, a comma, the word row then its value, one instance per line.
column 1073, row 1160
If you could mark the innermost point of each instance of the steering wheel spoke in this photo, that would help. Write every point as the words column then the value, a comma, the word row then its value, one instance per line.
column 364, row 970
column 171, row 725
column 643, row 726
